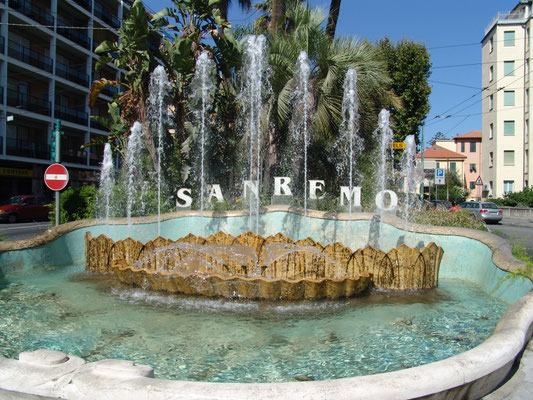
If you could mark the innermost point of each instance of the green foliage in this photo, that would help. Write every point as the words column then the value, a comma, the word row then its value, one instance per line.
column 459, row 218
column 517, row 199
column 76, row 203
column 409, row 66
column 453, row 186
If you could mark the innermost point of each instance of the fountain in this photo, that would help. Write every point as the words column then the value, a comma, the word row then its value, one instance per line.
column 133, row 153
column 409, row 170
column 215, row 310
column 349, row 142
column 107, row 181
column 202, row 86
column 254, row 88
column 158, row 110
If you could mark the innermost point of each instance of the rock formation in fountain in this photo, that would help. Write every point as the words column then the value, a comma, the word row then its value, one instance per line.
column 253, row 267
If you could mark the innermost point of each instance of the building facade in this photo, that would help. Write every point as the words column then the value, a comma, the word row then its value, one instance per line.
column 506, row 108
column 46, row 70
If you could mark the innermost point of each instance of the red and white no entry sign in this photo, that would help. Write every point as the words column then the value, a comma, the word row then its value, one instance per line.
column 56, row 177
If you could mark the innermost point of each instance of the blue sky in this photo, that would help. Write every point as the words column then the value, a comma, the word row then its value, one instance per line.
column 451, row 30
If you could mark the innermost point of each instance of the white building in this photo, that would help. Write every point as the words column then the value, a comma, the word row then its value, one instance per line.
column 506, row 107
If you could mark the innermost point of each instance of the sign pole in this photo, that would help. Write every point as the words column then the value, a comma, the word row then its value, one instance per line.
column 422, row 148
column 58, row 160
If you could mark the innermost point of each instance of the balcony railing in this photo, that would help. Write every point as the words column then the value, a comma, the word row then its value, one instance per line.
column 75, row 35
column 106, row 16
column 29, row 56
column 85, row 4
column 70, row 114
column 27, row 148
column 95, row 159
column 74, row 156
column 27, row 102
column 71, row 74
column 36, row 13
column 96, row 125
column 2, row 44
column 1, row 100
column 516, row 16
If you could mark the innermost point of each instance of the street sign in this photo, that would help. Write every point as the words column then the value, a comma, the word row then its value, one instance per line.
column 439, row 176
column 398, row 146
column 479, row 182
column 56, row 177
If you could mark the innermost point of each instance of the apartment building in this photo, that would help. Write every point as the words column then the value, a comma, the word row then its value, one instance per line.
column 506, row 82
column 46, row 70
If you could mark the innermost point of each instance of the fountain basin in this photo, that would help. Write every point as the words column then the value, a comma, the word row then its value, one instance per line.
column 475, row 372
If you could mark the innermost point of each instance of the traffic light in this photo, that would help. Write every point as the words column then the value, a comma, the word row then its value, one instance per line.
column 53, row 146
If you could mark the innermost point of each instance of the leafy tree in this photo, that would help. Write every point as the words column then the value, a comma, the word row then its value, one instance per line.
column 454, row 187
column 438, row 136
column 223, row 6
column 409, row 66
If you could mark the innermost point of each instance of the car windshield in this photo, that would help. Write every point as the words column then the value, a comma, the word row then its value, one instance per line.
column 14, row 200
column 489, row 205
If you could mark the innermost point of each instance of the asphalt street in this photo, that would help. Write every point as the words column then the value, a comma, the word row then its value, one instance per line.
column 516, row 230
column 22, row 230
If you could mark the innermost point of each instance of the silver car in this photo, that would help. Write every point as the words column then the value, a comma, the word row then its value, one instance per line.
column 488, row 212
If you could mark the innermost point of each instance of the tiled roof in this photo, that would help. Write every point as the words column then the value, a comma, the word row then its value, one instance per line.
column 470, row 135
column 440, row 152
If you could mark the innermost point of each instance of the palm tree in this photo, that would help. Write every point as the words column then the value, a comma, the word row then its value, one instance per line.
column 224, row 5
column 334, row 9
column 278, row 16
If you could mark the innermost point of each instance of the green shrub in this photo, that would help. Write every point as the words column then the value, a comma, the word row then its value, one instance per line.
column 459, row 218
column 76, row 203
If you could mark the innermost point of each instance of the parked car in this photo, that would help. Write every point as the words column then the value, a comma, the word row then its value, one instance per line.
column 488, row 212
column 25, row 207
column 441, row 204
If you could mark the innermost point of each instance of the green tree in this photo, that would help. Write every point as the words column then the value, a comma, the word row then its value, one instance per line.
column 409, row 66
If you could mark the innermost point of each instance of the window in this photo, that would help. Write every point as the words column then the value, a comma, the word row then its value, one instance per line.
column 472, row 147
column 508, row 98
column 472, row 185
column 453, row 166
column 491, row 131
column 508, row 128
column 508, row 157
column 527, row 98
column 508, row 68
column 491, row 159
column 491, row 102
column 463, row 147
column 508, row 38
column 526, row 161
column 491, row 44
column 526, row 131
column 491, row 73
column 473, row 168
column 527, row 69
column 437, row 164
column 508, row 187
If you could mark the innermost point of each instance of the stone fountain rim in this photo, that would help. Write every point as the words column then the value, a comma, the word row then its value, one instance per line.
column 501, row 250
column 476, row 371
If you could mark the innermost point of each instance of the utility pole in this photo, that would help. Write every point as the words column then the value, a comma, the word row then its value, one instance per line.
column 56, row 157
column 422, row 147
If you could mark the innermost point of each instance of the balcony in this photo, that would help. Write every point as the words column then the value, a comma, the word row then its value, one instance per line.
column 71, row 115
column 2, row 44
column 516, row 17
column 85, row 4
column 74, row 156
column 95, row 159
column 29, row 10
column 74, row 35
column 71, row 74
column 106, row 16
column 1, row 96
column 26, row 102
column 27, row 148
column 96, row 125
column 28, row 56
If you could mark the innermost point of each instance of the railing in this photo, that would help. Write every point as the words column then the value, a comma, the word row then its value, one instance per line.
column 506, row 16
column 2, row 44
column 70, row 114
column 96, row 125
column 27, row 148
column 95, row 159
column 1, row 102
column 106, row 16
column 28, row 56
column 74, row 156
column 27, row 102
column 71, row 74
column 75, row 35
column 85, row 4
column 36, row 13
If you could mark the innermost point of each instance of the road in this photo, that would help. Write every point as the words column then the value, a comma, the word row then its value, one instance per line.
column 22, row 230
column 516, row 230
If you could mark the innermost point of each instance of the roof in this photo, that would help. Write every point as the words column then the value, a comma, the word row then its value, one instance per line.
column 469, row 135
column 440, row 152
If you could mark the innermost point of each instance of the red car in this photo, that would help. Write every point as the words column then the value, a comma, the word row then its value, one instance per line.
column 26, row 207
